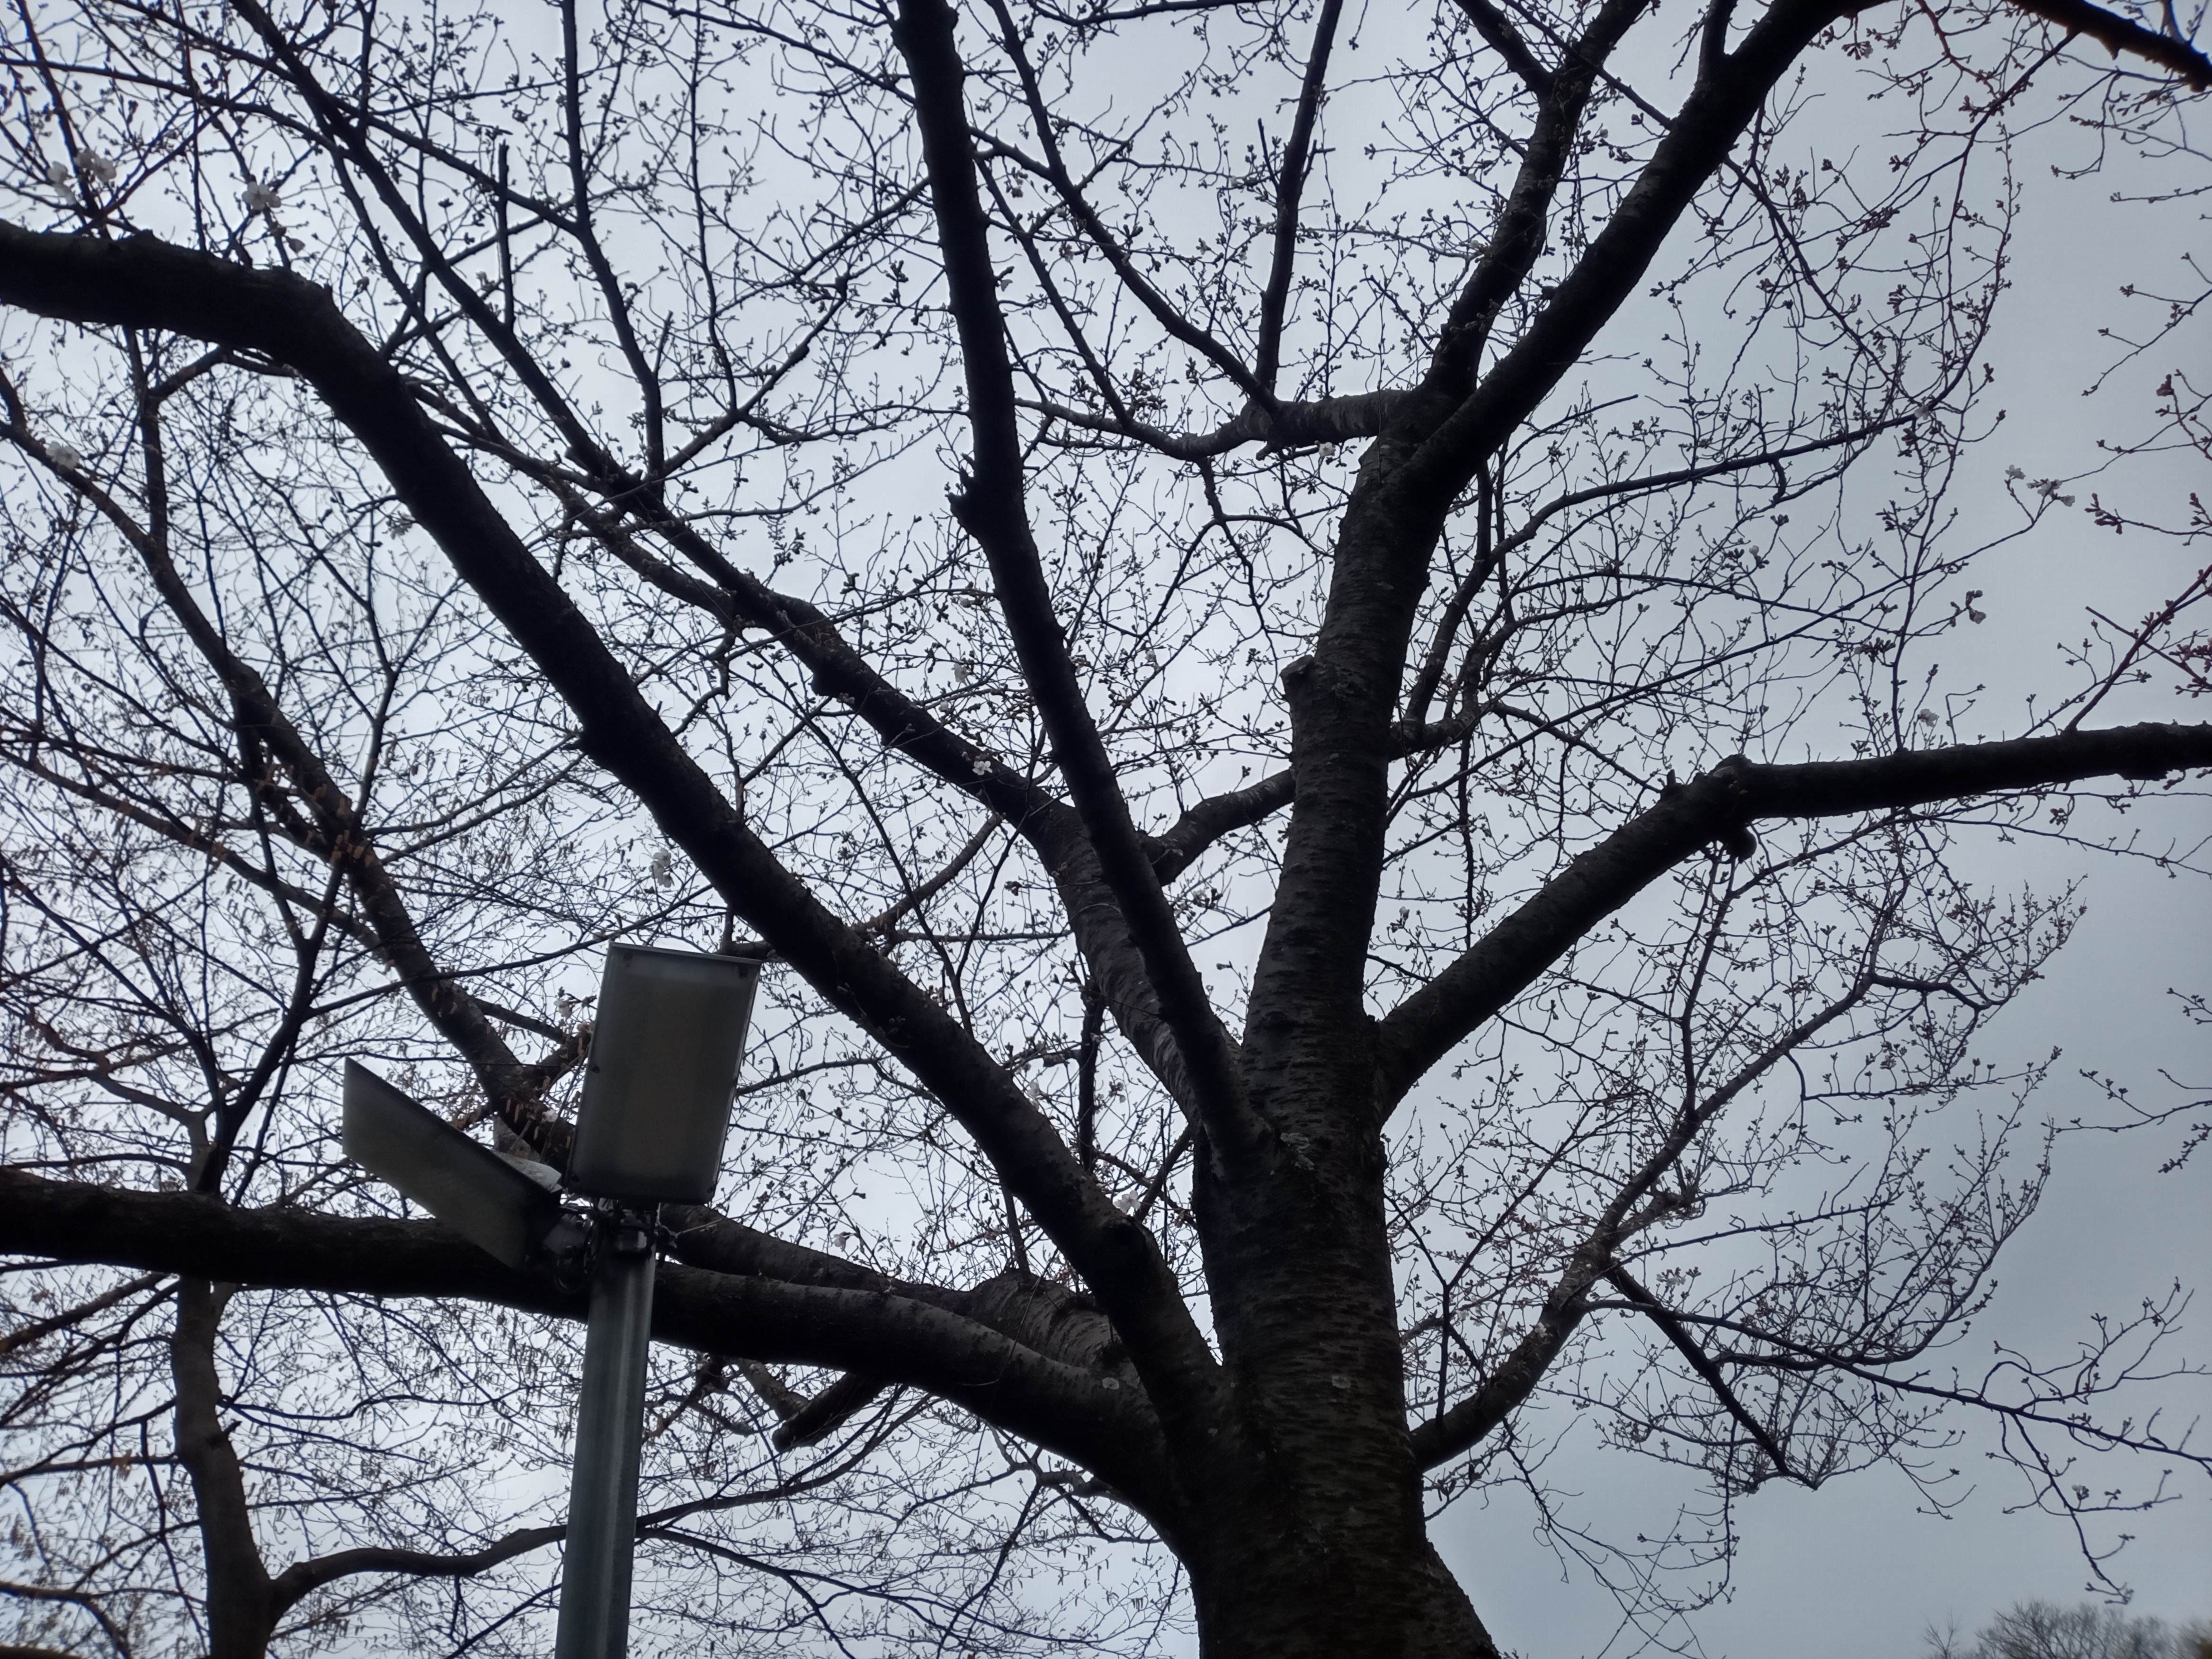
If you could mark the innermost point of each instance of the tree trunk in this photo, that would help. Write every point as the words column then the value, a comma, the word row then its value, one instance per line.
column 1310, row 1535
column 241, row 1611
column 1277, row 1583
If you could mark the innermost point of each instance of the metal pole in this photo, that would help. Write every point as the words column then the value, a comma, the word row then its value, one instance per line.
column 603, row 1489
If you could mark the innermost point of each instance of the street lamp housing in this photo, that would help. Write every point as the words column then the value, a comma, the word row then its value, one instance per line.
column 656, row 1106
column 669, row 1034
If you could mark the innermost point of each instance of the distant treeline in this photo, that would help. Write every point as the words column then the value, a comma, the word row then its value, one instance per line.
column 2042, row 1630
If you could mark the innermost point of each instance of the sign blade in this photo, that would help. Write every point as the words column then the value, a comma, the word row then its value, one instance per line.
column 470, row 1187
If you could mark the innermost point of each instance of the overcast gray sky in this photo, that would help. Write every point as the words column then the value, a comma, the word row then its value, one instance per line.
column 1853, row 1570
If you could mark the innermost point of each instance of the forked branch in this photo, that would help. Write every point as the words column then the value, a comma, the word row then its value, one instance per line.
column 1424, row 1028
column 991, row 508
column 143, row 283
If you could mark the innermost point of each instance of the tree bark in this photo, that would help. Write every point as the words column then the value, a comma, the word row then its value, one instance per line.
column 1308, row 1535
column 241, row 1610
column 1280, row 1585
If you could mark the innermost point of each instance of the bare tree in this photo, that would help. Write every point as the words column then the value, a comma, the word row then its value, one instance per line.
column 1398, row 859
column 2039, row 1630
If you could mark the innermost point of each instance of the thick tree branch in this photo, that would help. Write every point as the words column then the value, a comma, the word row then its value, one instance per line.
column 1048, row 1319
column 1501, row 1393
column 303, row 1578
column 990, row 506
column 1290, row 187
column 820, row 1418
column 740, row 599
column 1343, row 697
column 1426, row 1026
column 1057, row 1405
column 1518, row 238
column 2118, row 34
column 1208, row 821
column 142, row 283
column 1502, row 38
column 238, row 1609
column 1285, row 426
column 801, row 1421
column 1727, row 94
